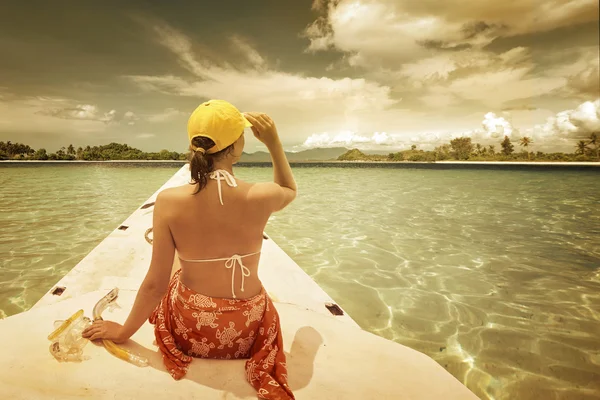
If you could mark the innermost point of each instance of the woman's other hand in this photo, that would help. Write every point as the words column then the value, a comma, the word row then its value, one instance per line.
column 105, row 330
column 263, row 127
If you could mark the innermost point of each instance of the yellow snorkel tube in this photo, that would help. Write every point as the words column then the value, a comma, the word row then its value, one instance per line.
column 112, row 348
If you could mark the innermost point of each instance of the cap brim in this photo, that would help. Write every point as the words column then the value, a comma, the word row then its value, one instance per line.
column 247, row 124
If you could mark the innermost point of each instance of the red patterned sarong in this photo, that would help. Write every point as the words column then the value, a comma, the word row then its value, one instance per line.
column 189, row 324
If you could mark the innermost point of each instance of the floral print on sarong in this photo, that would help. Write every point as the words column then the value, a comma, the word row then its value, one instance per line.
column 189, row 324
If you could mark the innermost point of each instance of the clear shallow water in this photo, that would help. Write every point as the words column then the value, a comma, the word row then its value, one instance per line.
column 495, row 274
column 51, row 216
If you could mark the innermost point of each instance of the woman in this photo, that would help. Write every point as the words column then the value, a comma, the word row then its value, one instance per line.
column 214, row 306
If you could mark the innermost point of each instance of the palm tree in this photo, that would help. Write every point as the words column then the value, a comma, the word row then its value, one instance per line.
column 581, row 147
column 507, row 146
column 478, row 147
column 594, row 141
column 492, row 149
column 525, row 141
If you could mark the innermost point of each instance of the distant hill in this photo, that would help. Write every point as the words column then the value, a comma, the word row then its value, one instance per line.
column 352, row 155
column 325, row 154
column 259, row 156
column 357, row 155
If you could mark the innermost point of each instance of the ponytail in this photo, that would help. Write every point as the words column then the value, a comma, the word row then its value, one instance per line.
column 202, row 163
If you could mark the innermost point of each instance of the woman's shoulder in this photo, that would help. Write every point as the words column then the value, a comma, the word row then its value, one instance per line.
column 173, row 194
column 262, row 191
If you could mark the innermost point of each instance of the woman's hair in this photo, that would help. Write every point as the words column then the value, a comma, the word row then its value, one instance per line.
column 201, row 164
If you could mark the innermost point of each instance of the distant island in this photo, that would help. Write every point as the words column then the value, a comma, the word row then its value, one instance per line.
column 459, row 149
column 463, row 149
column 124, row 152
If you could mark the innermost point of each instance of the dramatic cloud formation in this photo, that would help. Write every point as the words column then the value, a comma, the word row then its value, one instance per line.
column 391, row 31
column 376, row 74
column 437, row 53
column 298, row 100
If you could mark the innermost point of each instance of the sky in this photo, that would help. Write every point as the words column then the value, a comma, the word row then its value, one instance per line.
column 367, row 74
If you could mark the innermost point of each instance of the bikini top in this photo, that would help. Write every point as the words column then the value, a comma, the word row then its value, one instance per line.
column 236, row 259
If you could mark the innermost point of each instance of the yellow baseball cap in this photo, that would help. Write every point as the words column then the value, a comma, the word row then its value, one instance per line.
column 218, row 120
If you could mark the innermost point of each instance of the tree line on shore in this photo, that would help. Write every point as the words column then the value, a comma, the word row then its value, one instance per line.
column 462, row 149
column 458, row 149
column 112, row 151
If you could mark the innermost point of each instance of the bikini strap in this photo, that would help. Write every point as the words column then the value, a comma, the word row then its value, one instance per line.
column 230, row 263
column 222, row 175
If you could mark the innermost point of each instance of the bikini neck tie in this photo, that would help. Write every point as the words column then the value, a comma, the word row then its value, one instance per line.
column 222, row 175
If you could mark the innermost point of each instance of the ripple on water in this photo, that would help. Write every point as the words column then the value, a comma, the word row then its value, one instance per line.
column 482, row 270
column 47, row 230
column 493, row 274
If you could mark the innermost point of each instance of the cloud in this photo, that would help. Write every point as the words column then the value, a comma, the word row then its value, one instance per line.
column 130, row 118
column 87, row 112
column 474, row 75
column 248, row 51
column 371, row 32
column 49, row 120
column 587, row 81
column 496, row 126
column 50, row 116
column 181, row 46
column 571, row 124
column 108, row 116
column 563, row 128
column 437, row 54
column 579, row 68
column 388, row 32
column 519, row 108
column 326, row 112
column 253, row 84
column 168, row 114
column 347, row 138
column 560, row 130
column 319, row 5
column 303, row 102
column 145, row 135
column 494, row 88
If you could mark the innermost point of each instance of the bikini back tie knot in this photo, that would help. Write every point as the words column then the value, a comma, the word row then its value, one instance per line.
column 230, row 264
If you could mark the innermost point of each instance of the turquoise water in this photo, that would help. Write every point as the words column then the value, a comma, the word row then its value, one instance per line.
column 51, row 216
column 493, row 273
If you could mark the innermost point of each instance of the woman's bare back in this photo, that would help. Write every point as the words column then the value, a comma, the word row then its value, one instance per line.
column 205, row 229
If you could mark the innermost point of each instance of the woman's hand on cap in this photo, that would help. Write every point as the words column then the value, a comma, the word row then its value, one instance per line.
column 263, row 127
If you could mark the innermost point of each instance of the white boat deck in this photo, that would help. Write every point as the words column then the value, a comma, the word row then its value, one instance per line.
column 329, row 357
